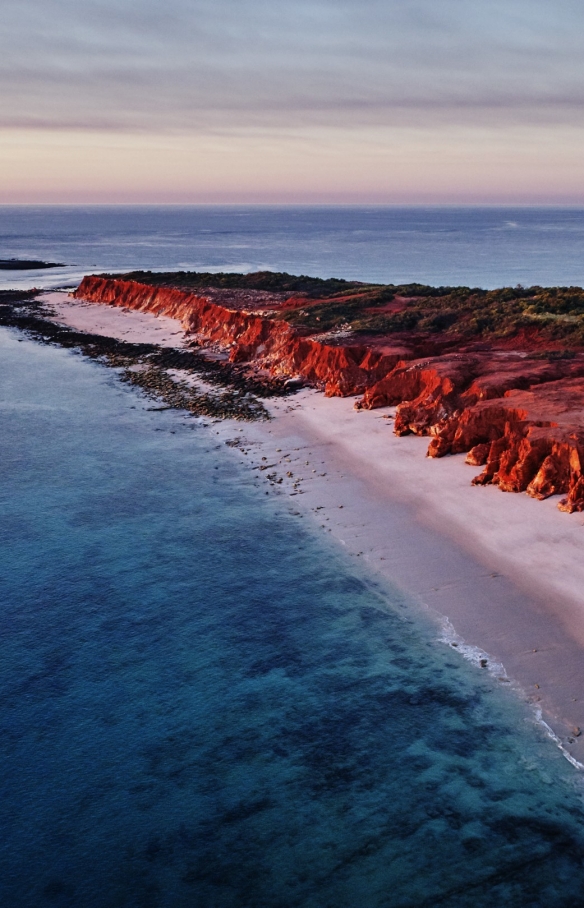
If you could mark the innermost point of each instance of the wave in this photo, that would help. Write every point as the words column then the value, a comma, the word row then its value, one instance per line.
column 481, row 659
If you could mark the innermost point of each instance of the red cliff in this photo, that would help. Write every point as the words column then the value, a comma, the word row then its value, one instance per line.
column 519, row 413
column 247, row 336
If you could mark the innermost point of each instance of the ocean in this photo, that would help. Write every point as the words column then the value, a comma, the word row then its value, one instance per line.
column 203, row 703
column 477, row 247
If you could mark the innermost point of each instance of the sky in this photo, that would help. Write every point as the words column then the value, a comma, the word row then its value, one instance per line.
column 305, row 101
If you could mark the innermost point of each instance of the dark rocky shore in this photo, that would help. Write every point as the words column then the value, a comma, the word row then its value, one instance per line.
column 26, row 265
column 236, row 392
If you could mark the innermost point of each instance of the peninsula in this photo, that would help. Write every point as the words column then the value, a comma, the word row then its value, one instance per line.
column 497, row 374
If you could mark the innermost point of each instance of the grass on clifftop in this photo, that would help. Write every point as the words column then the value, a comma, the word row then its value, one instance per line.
column 555, row 314
column 465, row 313
column 270, row 281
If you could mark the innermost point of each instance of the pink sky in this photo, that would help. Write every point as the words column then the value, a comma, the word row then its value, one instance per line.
column 378, row 101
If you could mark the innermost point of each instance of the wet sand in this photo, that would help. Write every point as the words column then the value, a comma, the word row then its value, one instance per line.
column 501, row 574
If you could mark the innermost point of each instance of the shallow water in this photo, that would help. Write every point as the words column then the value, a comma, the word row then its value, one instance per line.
column 205, row 705
column 479, row 247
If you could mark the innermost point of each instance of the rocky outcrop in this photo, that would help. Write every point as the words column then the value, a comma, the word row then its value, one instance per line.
column 426, row 391
column 527, row 441
column 521, row 419
column 516, row 413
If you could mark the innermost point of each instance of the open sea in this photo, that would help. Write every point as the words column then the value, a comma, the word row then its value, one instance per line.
column 476, row 247
column 203, row 704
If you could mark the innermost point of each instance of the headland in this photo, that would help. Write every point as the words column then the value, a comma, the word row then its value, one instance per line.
column 498, row 375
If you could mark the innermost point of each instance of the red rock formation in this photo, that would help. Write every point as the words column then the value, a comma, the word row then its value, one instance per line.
column 340, row 369
column 528, row 441
column 520, row 417
column 427, row 391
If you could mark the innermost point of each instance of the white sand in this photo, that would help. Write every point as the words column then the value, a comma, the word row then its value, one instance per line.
column 540, row 546
column 505, row 570
column 110, row 321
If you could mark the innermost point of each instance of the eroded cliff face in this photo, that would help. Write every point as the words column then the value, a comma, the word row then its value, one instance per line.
column 340, row 369
column 517, row 413
column 520, row 418
column 527, row 441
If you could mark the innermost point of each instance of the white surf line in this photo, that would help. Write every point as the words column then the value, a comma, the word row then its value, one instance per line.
column 479, row 657
column 557, row 741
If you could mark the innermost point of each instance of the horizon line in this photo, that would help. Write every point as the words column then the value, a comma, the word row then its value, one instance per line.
column 145, row 204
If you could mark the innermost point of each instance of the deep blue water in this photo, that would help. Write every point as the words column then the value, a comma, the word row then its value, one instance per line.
column 485, row 247
column 204, row 705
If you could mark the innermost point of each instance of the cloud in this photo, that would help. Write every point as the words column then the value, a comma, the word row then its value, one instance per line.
column 230, row 64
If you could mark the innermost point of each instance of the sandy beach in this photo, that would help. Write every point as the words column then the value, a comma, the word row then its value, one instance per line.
column 501, row 574
column 134, row 327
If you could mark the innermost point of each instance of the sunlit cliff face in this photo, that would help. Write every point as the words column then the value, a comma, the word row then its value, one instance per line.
column 307, row 102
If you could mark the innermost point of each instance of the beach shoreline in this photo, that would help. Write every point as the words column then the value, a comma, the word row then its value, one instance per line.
column 500, row 573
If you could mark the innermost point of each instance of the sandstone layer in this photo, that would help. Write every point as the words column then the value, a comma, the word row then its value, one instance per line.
column 517, row 410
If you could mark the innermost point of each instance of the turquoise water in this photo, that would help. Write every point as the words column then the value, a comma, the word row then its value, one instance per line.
column 204, row 705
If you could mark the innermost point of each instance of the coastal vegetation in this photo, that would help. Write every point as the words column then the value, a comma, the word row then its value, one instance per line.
column 269, row 281
column 554, row 314
column 456, row 313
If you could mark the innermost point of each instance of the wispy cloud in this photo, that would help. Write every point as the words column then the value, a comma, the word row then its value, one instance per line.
column 197, row 65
